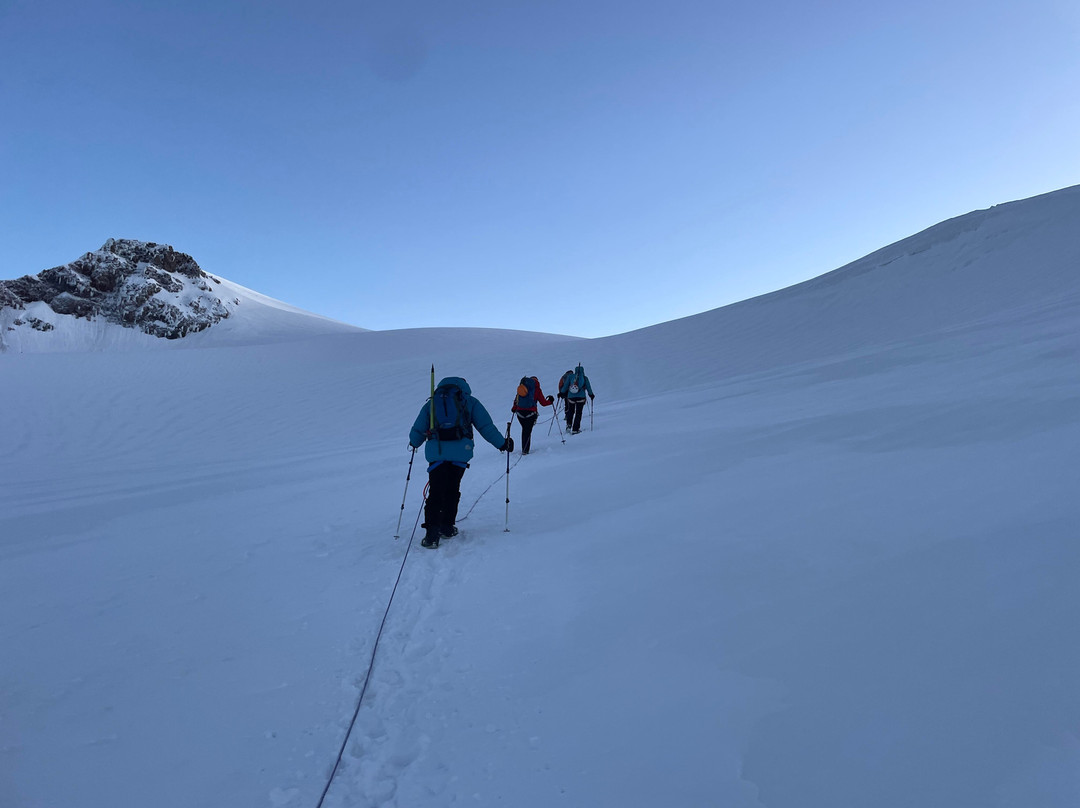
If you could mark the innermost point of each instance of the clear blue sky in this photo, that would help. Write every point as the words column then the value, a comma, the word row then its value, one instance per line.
column 579, row 167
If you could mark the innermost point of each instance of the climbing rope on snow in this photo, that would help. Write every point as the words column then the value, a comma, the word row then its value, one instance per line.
column 382, row 625
column 493, row 483
column 371, row 661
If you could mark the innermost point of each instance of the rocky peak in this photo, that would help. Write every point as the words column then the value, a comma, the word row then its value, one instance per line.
column 134, row 284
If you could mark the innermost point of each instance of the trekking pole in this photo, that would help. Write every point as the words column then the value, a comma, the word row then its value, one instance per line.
column 556, row 415
column 507, row 528
column 397, row 533
column 590, row 415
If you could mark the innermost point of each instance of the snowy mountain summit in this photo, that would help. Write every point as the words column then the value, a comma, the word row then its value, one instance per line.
column 148, row 289
column 134, row 284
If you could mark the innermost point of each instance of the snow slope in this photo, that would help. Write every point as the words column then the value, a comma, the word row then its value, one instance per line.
column 818, row 549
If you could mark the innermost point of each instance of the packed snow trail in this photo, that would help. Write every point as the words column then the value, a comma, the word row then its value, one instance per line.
column 367, row 676
column 375, row 645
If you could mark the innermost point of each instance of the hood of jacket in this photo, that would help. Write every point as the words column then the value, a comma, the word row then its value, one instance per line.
column 458, row 382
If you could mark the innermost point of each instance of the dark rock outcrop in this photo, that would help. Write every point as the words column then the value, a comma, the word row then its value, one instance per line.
column 134, row 284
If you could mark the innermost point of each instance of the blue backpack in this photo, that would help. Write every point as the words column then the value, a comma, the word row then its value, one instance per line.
column 451, row 413
column 526, row 394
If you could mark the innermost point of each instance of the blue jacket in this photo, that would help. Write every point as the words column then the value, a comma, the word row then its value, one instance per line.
column 584, row 385
column 455, row 451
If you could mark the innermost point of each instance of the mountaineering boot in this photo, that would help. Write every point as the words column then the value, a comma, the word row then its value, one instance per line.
column 431, row 539
column 448, row 532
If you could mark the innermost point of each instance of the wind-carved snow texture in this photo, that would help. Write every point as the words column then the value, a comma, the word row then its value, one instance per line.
column 820, row 551
column 135, row 284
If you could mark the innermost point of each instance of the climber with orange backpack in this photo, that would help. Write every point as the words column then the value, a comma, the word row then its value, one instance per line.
column 529, row 395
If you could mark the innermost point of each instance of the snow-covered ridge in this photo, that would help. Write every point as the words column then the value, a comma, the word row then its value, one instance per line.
column 133, row 293
column 975, row 268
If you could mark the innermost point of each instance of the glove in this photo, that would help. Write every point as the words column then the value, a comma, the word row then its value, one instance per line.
column 562, row 395
column 508, row 445
column 591, row 396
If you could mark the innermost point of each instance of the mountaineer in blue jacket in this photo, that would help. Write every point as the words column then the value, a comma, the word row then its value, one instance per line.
column 446, row 422
column 573, row 387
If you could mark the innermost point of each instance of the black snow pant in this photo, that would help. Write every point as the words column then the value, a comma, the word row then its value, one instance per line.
column 444, row 494
column 574, row 408
column 527, row 421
